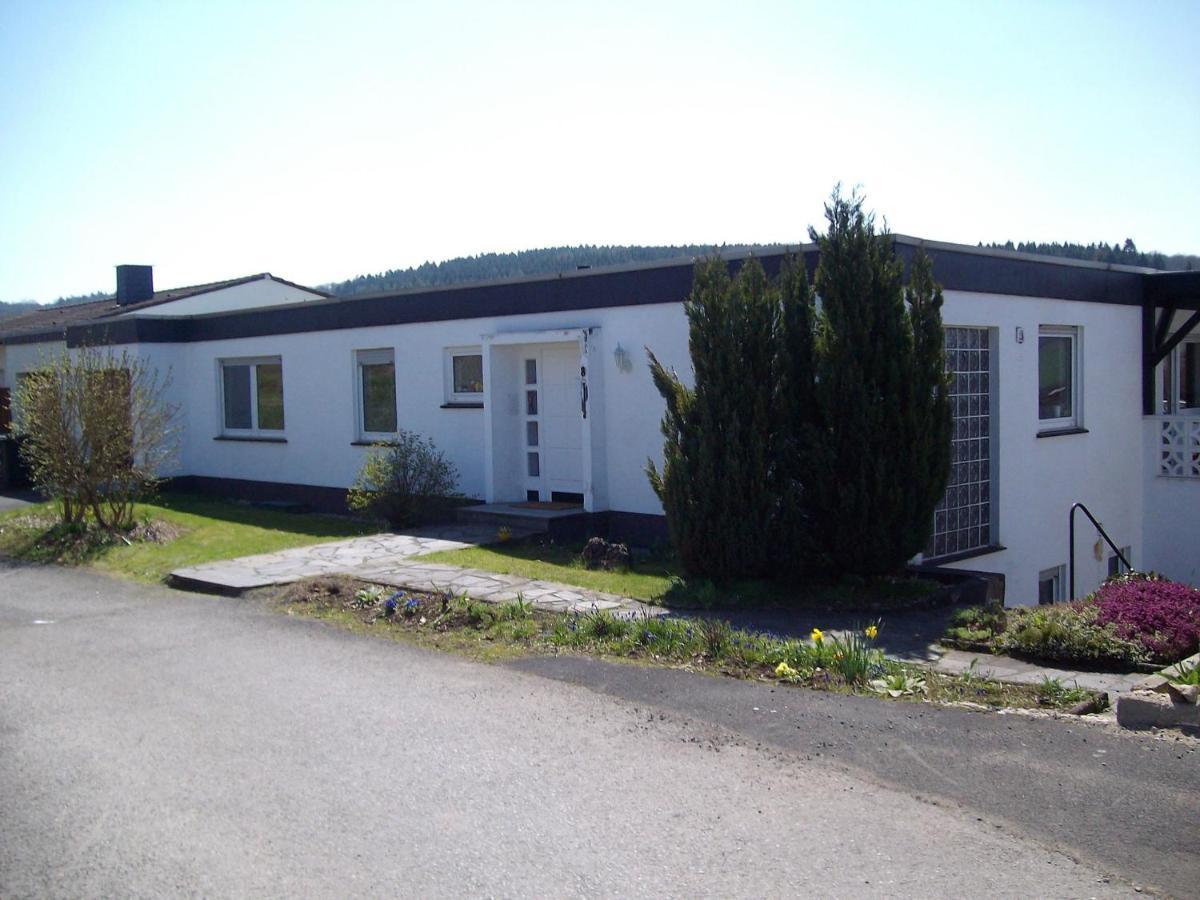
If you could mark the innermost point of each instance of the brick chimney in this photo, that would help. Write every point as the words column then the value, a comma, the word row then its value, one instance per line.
column 134, row 284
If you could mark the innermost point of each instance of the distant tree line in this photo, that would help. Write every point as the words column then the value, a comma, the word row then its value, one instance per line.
column 1125, row 253
column 546, row 261
column 18, row 307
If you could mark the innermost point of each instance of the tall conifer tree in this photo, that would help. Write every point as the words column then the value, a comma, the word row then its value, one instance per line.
column 799, row 449
column 880, row 395
column 717, row 482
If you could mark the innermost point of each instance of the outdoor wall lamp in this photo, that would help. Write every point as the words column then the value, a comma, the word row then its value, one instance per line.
column 623, row 360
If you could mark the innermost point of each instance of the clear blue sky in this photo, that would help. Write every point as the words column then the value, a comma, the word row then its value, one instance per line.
column 319, row 141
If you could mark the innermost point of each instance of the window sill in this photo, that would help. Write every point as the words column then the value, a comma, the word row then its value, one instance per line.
column 965, row 554
column 1058, row 432
column 375, row 443
column 250, row 439
column 461, row 405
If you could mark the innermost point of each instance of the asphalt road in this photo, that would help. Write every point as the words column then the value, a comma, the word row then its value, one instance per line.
column 156, row 743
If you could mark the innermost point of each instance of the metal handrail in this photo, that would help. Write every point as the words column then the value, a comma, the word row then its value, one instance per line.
column 1104, row 534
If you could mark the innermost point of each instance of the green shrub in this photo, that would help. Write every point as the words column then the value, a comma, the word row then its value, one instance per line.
column 990, row 618
column 405, row 481
column 968, row 635
column 1069, row 633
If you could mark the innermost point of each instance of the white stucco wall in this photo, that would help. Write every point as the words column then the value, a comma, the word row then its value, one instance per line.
column 253, row 294
column 20, row 358
column 320, row 402
column 1172, row 523
column 1040, row 478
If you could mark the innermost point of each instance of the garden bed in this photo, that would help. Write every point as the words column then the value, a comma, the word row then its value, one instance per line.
column 1132, row 623
column 848, row 663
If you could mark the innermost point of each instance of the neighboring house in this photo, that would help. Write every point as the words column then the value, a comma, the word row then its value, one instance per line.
column 1073, row 382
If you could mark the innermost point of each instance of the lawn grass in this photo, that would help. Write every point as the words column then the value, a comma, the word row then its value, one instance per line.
column 209, row 530
column 649, row 579
column 656, row 578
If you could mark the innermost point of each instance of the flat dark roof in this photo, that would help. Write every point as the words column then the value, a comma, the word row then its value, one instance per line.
column 957, row 267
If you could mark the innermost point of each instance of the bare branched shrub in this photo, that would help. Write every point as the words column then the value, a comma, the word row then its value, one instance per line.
column 97, row 432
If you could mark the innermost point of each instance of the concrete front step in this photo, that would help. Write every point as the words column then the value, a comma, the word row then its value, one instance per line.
column 520, row 520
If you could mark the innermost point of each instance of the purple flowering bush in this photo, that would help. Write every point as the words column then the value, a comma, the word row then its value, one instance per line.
column 1131, row 620
column 1163, row 616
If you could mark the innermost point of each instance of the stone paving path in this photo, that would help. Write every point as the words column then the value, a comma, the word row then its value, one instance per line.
column 394, row 559
column 376, row 551
column 496, row 588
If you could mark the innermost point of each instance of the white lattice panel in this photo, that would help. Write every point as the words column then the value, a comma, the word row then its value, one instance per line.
column 1179, row 448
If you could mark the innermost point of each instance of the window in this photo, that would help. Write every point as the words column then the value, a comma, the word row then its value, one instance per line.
column 1115, row 566
column 464, row 375
column 965, row 520
column 1181, row 380
column 376, row 377
column 1058, row 378
column 252, row 394
column 1050, row 585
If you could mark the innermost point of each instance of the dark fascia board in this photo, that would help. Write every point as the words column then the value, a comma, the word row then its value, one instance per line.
column 956, row 267
column 35, row 337
column 976, row 270
column 1178, row 289
column 1001, row 253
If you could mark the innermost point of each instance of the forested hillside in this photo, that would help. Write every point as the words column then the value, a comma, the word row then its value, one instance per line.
column 546, row 261
column 16, row 307
column 1125, row 254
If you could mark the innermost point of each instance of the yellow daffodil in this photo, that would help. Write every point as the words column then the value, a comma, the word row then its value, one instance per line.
column 817, row 636
column 872, row 632
column 783, row 670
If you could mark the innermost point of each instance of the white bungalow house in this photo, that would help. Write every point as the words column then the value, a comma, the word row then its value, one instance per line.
column 1074, row 382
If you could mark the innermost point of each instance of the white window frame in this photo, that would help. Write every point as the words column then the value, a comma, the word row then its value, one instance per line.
column 1058, row 574
column 1075, row 420
column 453, row 396
column 253, row 362
column 376, row 357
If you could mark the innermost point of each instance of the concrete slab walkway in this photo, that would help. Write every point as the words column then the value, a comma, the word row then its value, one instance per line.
column 1016, row 671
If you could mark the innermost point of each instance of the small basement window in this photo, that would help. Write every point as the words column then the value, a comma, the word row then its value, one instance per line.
column 252, row 395
column 375, row 374
column 1115, row 566
column 1059, row 394
column 464, row 375
column 1050, row 585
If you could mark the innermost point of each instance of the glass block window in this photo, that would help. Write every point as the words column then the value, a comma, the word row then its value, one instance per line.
column 963, row 519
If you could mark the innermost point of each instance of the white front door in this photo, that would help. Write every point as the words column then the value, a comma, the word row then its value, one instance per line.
column 552, row 405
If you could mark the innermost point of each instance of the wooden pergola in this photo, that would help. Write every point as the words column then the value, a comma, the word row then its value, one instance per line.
column 1164, row 295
